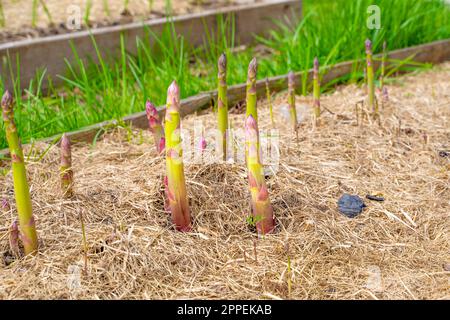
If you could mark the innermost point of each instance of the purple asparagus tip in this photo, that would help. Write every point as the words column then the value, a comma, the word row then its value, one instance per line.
column 222, row 62
column 173, row 96
column 152, row 113
column 7, row 99
column 65, row 142
column 65, row 150
column 174, row 90
column 202, row 144
column 150, row 109
column 253, row 68
column 368, row 46
column 316, row 64
column 291, row 78
column 385, row 94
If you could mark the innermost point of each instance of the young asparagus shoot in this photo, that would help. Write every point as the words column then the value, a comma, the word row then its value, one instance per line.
column 269, row 101
column 222, row 103
column 370, row 78
column 21, row 189
column 14, row 239
column 202, row 144
column 65, row 169
column 260, row 203
column 155, row 126
column 316, row 88
column 251, row 90
column 383, row 67
column 291, row 100
column 176, row 185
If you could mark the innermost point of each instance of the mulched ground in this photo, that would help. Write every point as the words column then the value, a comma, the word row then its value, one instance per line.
column 396, row 249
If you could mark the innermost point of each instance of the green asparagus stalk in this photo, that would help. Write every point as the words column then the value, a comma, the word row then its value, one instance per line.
column 269, row 101
column 370, row 78
column 176, row 185
column 66, row 167
column 251, row 90
column 316, row 88
column 21, row 189
column 222, row 103
column 155, row 126
column 291, row 100
column 261, row 208
column 383, row 67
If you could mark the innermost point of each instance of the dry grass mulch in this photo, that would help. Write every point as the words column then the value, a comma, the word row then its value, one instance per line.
column 396, row 249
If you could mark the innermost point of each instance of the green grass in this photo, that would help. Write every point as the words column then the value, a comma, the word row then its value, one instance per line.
column 332, row 30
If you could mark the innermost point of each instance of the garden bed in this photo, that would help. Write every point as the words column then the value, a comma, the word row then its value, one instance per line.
column 396, row 249
column 19, row 26
column 53, row 52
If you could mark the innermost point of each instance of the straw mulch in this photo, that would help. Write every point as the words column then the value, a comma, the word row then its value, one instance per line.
column 396, row 249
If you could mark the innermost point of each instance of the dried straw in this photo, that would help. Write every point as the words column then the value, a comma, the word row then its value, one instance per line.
column 396, row 249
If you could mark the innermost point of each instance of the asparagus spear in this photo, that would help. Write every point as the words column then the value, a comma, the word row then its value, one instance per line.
column 261, row 208
column 370, row 78
column 383, row 67
column 21, row 190
column 155, row 126
column 222, row 103
column 66, row 167
column 291, row 100
column 176, row 185
column 316, row 88
column 251, row 89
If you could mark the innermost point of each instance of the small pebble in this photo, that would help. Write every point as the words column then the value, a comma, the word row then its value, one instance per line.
column 350, row 205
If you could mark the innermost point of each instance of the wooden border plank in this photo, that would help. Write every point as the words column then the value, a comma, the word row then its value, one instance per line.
column 434, row 52
column 49, row 52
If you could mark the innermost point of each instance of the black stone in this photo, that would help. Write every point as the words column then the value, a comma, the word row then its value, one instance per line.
column 350, row 206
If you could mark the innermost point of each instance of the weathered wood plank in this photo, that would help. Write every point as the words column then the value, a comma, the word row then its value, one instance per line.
column 434, row 52
column 49, row 52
